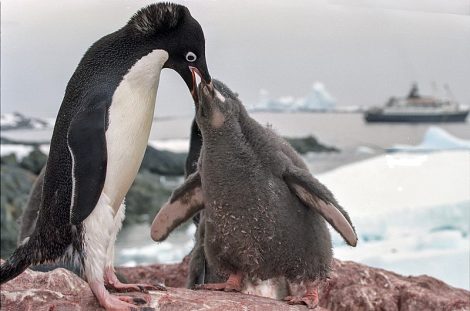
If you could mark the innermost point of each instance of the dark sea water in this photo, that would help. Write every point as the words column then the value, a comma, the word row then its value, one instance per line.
column 345, row 130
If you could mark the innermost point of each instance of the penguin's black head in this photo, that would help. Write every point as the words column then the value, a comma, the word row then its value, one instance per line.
column 172, row 28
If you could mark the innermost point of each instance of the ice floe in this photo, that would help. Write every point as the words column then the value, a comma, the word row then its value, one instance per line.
column 434, row 139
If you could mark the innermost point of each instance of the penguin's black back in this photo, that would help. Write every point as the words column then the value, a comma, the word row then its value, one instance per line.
column 96, row 78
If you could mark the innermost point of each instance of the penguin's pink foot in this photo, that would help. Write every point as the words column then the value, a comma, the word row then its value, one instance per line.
column 114, row 303
column 233, row 284
column 310, row 299
column 113, row 282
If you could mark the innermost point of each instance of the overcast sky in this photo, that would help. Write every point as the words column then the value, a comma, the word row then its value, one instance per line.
column 362, row 50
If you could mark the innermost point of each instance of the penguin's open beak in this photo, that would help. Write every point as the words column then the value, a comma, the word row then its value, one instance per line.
column 195, row 73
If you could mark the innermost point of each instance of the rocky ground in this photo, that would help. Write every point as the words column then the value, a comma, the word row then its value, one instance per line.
column 352, row 287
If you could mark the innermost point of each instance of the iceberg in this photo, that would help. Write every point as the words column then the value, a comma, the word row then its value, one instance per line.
column 434, row 139
column 317, row 100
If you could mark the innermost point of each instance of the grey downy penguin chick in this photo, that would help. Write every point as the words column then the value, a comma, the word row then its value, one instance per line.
column 264, row 212
column 98, row 143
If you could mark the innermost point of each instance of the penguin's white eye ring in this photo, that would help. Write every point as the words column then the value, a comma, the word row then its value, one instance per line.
column 191, row 57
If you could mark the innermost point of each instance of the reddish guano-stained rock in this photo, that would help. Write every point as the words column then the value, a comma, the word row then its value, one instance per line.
column 352, row 287
column 355, row 286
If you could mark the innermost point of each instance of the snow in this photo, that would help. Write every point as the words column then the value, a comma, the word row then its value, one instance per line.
column 20, row 151
column 172, row 250
column 164, row 252
column 407, row 256
column 406, row 180
column 411, row 212
column 45, row 149
column 10, row 119
column 436, row 139
column 174, row 145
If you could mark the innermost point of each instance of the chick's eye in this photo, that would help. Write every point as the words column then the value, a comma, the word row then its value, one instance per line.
column 191, row 57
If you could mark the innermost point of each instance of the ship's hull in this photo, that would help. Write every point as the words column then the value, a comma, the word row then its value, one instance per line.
column 416, row 118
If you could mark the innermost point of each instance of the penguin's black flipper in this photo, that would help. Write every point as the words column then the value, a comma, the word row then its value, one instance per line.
column 185, row 201
column 315, row 195
column 87, row 145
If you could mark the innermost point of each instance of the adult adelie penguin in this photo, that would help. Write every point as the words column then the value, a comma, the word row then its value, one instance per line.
column 99, row 140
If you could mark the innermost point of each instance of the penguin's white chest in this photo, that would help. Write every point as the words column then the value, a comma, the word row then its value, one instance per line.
column 129, row 123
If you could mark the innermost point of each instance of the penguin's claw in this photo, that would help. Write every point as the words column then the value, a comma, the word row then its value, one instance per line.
column 112, row 302
column 310, row 300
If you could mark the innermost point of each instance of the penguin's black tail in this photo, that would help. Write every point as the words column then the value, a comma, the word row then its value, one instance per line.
column 21, row 259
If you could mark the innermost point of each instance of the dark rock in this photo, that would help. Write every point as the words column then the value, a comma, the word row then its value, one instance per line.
column 15, row 186
column 34, row 161
column 310, row 144
column 9, row 159
column 146, row 196
column 352, row 287
column 163, row 162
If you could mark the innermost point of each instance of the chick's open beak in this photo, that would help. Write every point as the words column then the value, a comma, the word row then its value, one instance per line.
column 197, row 74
